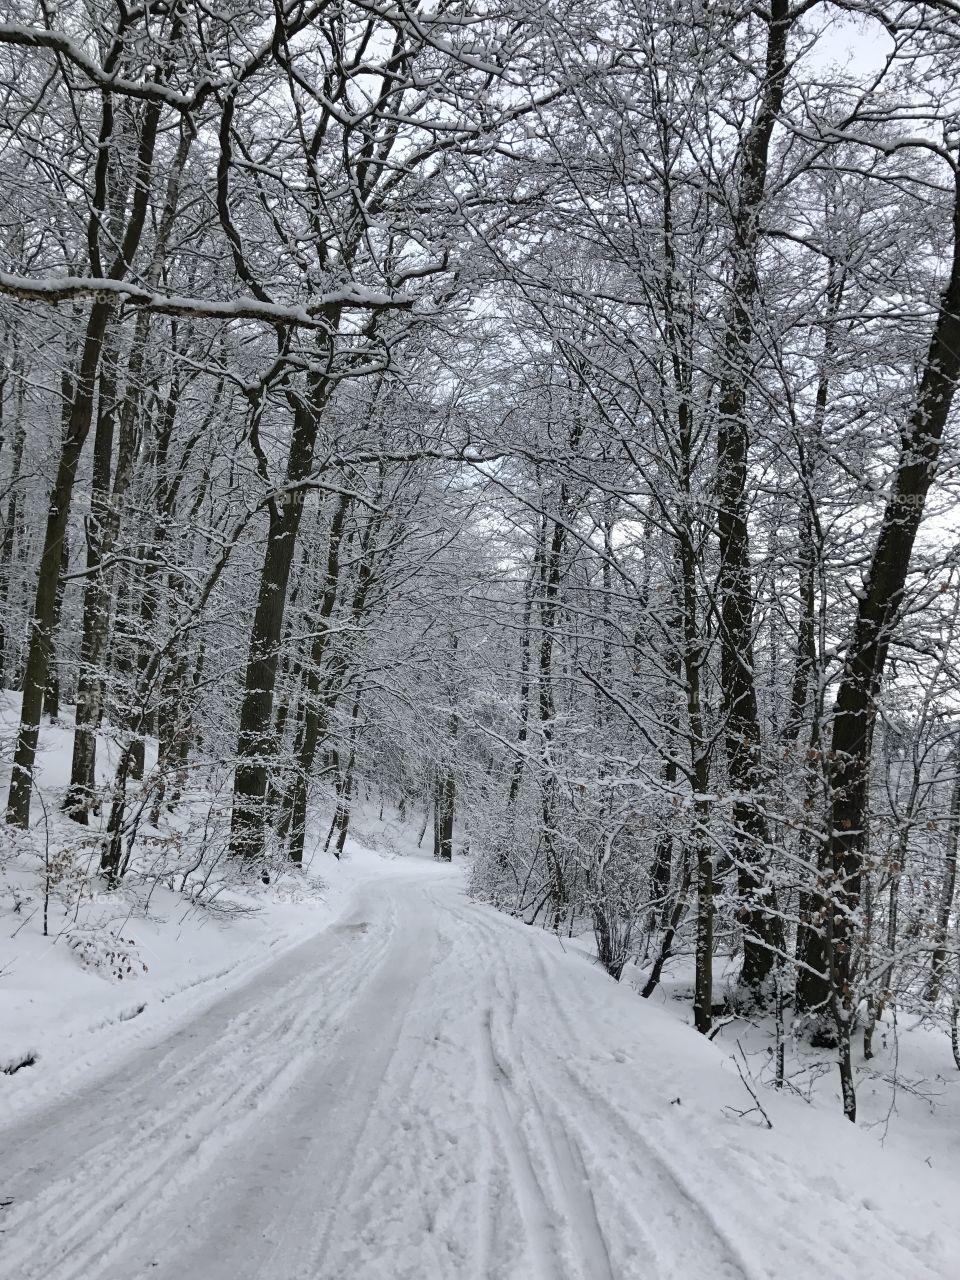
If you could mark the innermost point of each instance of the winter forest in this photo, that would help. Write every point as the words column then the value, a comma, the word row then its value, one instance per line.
column 518, row 433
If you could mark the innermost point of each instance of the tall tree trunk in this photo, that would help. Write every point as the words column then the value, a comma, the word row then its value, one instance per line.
column 137, row 654
column 671, row 924
column 81, row 794
column 345, row 789
column 311, row 723
column 447, row 780
column 14, row 409
column 550, row 578
column 254, row 737
column 703, row 954
column 693, row 657
column 44, row 608
column 878, row 611
column 948, row 888
column 51, row 694
column 103, row 529
column 691, row 642
column 763, row 933
column 806, row 695
column 662, row 869
column 78, row 427
column 523, row 730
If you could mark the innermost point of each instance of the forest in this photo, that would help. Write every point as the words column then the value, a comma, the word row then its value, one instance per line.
column 532, row 420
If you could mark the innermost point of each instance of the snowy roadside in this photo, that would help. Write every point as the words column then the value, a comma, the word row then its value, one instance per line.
column 908, row 1093
column 62, row 1019
column 115, row 969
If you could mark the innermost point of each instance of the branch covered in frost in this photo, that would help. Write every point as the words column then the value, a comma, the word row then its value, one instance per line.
column 312, row 314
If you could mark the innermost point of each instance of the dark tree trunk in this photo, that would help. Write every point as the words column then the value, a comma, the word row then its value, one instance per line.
column 703, row 977
column 254, row 737
column 254, row 740
column 669, row 934
column 763, row 934
column 44, row 609
column 345, row 788
column 948, row 888
column 662, row 870
column 446, row 804
column 806, row 658
column 523, row 731
column 551, row 573
column 446, row 773
column 81, row 794
column 51, row 695
column 806, row 696
column 878, row 612
column 78, row 427
column 311, row 723
column 11, row 520
column 137, row 654
column 103, row 528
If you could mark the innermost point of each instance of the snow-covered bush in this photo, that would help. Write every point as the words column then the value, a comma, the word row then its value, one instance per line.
column 104, row 952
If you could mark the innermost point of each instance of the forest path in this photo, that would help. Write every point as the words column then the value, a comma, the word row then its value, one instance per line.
column 426, row 1090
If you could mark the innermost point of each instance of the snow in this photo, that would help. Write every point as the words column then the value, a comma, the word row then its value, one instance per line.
column 60, row 42
column 364, row 1073
column 183, row 953
column 73, row 1018
column 908, row 1094
column 310, row 314
column 426, row 1088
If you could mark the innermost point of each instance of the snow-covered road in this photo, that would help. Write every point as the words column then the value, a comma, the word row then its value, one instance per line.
column 427, row 1089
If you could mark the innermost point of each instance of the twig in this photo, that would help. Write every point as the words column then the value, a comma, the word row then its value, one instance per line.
column 757, row 1106
column 718, row 1026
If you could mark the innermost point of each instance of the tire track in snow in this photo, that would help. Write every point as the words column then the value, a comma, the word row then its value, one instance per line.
column 546, row 1142
column 543, row 1179
column 536, row 1219
column 679, row 1229
column 114, row 1170
column 421, row 1199
column 722, row 1247
column 563, row 1160
column 385, row 1035
column 318, row 1193
column 785, row 1242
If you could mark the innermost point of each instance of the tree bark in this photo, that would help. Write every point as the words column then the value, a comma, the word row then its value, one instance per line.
column 44, row 608
column 78, row 427
column 811, row 947
column 51, row 694
column 948, row 888
column 81, row 794
column 11, row 520
column 310, row 727
column 254, row 737
column 878, row 612
column 763, row 933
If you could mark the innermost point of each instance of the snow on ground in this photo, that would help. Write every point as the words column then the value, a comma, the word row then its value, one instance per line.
column 365, row 1074
column 908, row 1093
column 117, row 967
column 427, row 1088
column 70, row 1019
